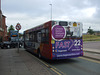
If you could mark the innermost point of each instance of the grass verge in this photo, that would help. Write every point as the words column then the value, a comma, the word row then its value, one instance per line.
column 91, row 37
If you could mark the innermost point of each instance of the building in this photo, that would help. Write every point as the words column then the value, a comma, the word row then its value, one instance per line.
column 96, row 32
column 3, row 27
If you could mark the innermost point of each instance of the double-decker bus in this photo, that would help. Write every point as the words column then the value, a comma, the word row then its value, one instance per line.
column 55, row 40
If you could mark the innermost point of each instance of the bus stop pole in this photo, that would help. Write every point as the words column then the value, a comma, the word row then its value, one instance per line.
column 18, row 41
column 18, row 27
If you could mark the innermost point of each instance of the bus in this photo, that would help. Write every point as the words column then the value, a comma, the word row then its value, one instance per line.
column 55, row 40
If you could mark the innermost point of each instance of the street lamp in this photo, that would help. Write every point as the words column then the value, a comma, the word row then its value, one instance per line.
column 51, row 10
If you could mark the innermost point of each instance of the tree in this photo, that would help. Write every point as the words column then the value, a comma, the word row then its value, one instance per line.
column 11, row 28
column 20, row 35
column 90, row 31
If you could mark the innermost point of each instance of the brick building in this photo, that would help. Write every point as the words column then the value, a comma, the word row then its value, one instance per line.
column 3, row 27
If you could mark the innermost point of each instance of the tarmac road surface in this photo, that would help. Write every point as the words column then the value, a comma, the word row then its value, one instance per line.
column 92, row 45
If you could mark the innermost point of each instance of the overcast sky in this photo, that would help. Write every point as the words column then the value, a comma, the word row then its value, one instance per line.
column 30, row 13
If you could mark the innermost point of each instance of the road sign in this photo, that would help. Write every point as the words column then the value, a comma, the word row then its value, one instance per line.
column 18, row 26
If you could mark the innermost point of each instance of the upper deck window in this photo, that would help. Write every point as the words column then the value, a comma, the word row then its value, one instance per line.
column 62, row 23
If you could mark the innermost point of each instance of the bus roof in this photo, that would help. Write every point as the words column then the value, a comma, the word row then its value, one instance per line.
column 42, row 25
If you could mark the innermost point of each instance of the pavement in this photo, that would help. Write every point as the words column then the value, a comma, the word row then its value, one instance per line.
column 92, row 53
column 92, row 50
column 22, row 63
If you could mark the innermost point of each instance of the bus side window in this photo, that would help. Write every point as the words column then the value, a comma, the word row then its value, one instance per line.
column 47, row 35
column 35, row 35
column 43, row 36
column 33, row 39
column 26, row 37
column 39, row 36
column 30, row 36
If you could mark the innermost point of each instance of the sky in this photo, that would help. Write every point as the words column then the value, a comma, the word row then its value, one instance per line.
column 30, row 13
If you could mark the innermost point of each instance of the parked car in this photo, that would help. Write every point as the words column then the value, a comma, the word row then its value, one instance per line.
column 10, row 44
column 6, row 44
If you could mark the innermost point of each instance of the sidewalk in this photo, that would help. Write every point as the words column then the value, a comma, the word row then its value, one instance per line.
column 22, row 63
column 92, row 50
column 92, row 53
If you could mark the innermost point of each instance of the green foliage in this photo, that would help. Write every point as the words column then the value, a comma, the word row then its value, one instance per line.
column 91, row 38
column 90, row 31
column 11, row 28
column 20, row 35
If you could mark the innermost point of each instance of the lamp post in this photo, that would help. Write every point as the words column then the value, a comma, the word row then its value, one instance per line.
column 0, row 4
column 51, row 11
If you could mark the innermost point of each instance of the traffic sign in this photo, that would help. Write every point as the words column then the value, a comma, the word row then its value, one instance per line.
column 18, row 26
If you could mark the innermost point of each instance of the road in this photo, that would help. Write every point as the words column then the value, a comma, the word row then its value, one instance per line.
column 92, row 49
column 74, row 66
column 78, row 66
column 92, row 44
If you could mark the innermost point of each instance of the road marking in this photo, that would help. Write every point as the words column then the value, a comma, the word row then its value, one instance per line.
column 89, row 59
column 57, row 71
column 52, row 67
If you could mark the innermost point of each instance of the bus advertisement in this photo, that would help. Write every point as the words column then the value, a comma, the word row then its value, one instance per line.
column 55, row 40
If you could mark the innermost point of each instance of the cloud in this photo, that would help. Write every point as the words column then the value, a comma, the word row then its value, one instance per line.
column 89, row 12
column 25, row 20
column 34, row 12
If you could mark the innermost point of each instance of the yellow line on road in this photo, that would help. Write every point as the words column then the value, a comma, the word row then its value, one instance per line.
column 53, row 68
column 55, row 71
column 89, row 59
column 59, row 70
